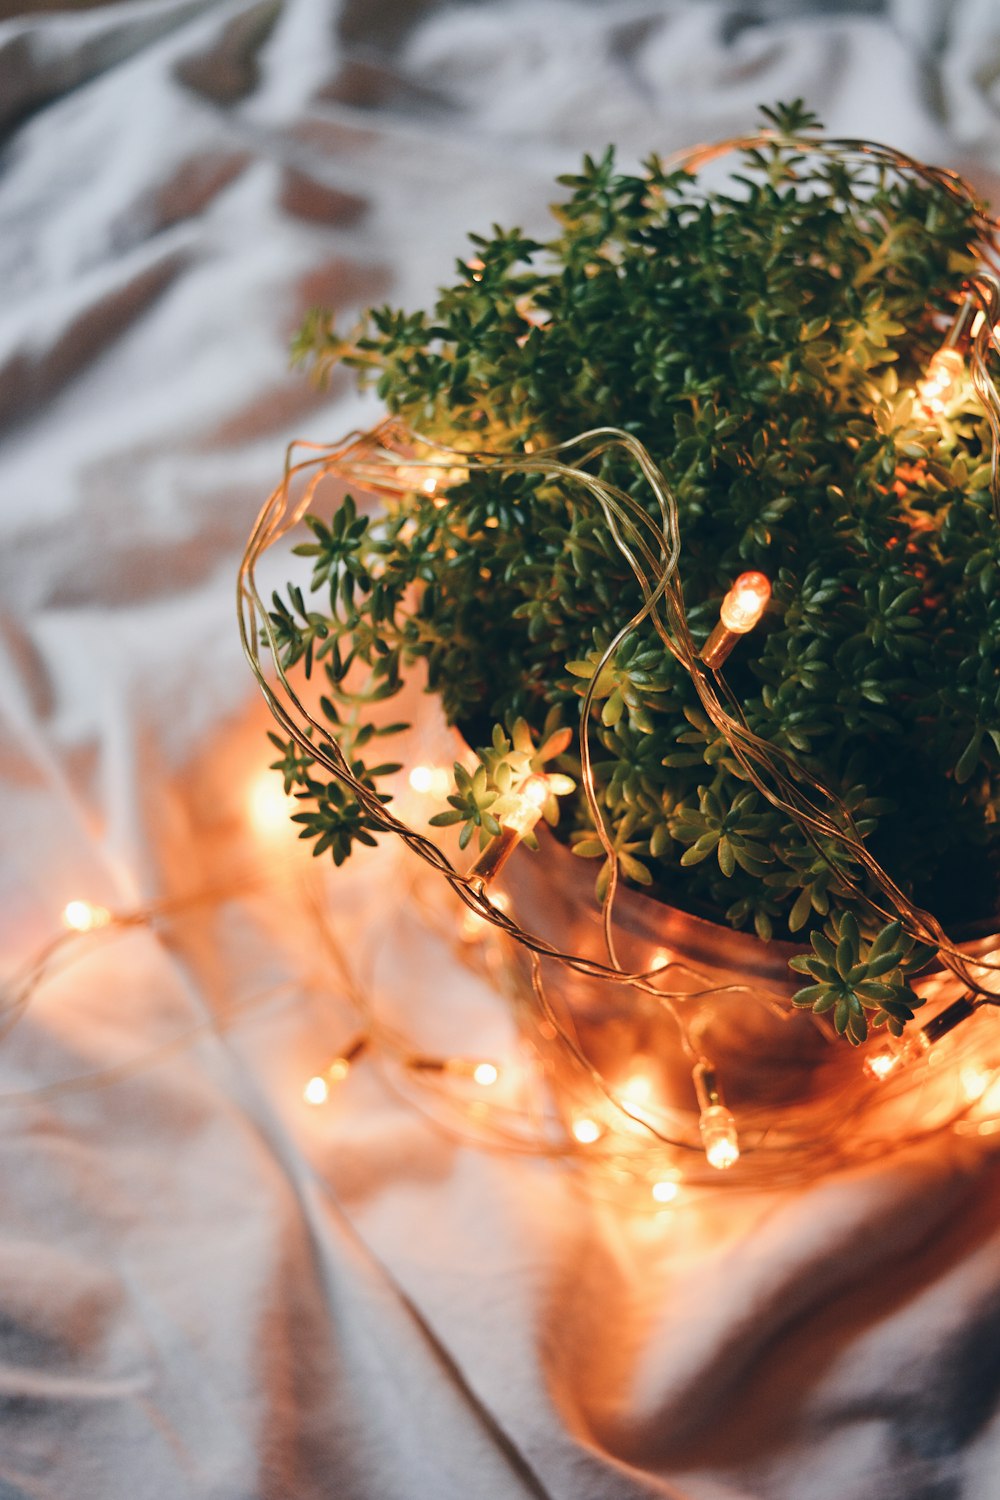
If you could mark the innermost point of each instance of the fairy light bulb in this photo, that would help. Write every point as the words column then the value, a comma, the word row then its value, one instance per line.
column 586, row 1131
column 85, row 916
column 477, row 1069
column 941, row 384
column 719, row 1135
column 740, row 611
column 474, row 926
column 430, row 781
column 880, row 1065
column 664, row 1191
column 516, row 823
column 975, row 1082
column 270, row 806
column 317, row 1090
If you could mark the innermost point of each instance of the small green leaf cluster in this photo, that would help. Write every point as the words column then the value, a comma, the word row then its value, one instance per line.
column 485, row 797
column 857, row 980
column 763, row 343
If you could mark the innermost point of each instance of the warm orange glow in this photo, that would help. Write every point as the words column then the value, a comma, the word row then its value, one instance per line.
column 316, row 1091
column 739, row 612
column 528, row 804
column 586, row 1131
column 432, row 781
column 84, row 916
column 745, row 603
column 270, row 806
column 474, row 926
column 975, row 1082
column 719, row 1137
column 880, row 1064
column 485, row 1074
column 942, row 382
column 637, row 1089
column 665, row 1191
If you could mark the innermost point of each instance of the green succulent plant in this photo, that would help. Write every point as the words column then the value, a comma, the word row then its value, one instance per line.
column 763, row 344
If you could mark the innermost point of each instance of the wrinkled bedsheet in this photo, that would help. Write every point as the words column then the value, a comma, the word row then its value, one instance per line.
column 206, row 1288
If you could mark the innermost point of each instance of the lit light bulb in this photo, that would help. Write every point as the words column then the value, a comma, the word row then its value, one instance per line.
column 940, row 385
column 481, row 1072
column 519, row 820
column 664, row 1191
column 586, row 1131
column 430, row 780
column 975, row 1082
column 474, row 927
column 740, row 611
column 270, row 806
column 719, row 1136
column 745, row 602
column 879, row 1065
column 85, row 916
column 476, row 267
column 316, row 1091
column 637, row 1088
column 659, row 959
column 918, row 1044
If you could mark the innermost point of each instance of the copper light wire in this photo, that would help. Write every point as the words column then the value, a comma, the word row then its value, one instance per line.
column 385, row 459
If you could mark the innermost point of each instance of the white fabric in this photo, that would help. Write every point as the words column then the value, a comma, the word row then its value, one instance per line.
column 205, row 1289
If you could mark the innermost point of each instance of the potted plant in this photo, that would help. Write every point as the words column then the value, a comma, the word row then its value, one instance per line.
column 768, row 345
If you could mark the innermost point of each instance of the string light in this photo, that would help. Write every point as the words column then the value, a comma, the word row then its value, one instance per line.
column 740, row 611
column 430, row 781
column 941, row 384
column 270, row 806
column 664, row 1191
column 974, row 1083
column 715, row 1123
column 879, row 1065
column 586, row 1131
column 85, row 916
column 480, row 1071
column 317, row 1089
column 522, row 817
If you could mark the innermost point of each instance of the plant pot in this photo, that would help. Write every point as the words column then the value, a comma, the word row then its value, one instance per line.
column 794, row 1087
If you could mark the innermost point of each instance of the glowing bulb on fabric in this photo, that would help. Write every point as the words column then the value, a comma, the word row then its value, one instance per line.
column 485, row 1074
column 664, row 1191
column 317, row 1090
column 586, row 1130
column 84, row 916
